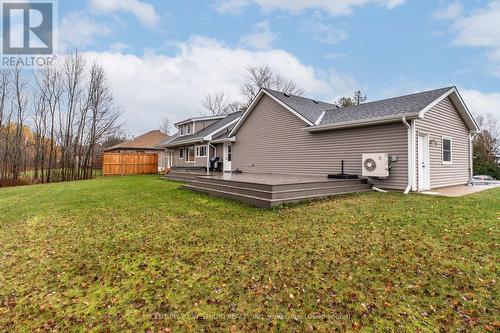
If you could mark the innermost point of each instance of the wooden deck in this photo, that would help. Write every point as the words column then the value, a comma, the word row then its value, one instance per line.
column 271, row 190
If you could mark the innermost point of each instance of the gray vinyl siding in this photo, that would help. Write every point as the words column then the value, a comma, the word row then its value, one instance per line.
column 273, row 140
column 198, row 161
column 444, row 120
column 199, row 125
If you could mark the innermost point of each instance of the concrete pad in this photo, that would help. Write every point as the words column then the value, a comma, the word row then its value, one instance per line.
column 461, row 190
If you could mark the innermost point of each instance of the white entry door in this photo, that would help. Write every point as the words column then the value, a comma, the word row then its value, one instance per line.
column 228, row 156
column 424, row 168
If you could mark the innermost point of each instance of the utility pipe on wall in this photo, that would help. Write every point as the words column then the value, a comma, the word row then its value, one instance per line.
column 410, row 152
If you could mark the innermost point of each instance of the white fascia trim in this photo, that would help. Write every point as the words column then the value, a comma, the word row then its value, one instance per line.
column 289, row 109
column 357, row 123
column 245, row 114
column 230, row 139
column 462, row 108
column 320, row 118
column 475, row 126
column 199, row 119
column 422, row 112
column 209, row 136
column 186, row 142
column 254, row 103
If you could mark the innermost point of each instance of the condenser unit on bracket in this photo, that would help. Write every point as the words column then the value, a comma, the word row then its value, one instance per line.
column 375, row 165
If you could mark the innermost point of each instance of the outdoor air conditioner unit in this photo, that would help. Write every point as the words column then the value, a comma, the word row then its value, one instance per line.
column 376, row 165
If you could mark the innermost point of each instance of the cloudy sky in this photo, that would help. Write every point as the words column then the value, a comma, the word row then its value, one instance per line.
column 162, row 57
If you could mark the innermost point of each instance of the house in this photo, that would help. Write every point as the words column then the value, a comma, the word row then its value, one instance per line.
column 146, row 143
column 426, row 136
column 200, row 139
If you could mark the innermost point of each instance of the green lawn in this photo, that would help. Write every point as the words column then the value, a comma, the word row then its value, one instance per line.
column 137, row 253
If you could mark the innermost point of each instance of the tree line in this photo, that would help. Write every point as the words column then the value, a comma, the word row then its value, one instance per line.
column 53, row 121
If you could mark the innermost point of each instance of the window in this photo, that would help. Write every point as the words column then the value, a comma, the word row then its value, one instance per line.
column 229, row 153
column 181, row 153
column 186, row 129
column 201, row 151
column 447, row 150
column 190, row 154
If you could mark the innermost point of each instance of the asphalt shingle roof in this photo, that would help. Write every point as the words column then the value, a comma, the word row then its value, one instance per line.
column 308, row 108
column 207, row 130
column 397, row 106
column 149, row 140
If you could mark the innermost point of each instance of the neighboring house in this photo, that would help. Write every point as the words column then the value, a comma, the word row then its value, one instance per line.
column 427, row 138
column 146, row 143
column 200, row 139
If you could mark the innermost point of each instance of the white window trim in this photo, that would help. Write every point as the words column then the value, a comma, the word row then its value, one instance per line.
column 198, row 149
column 187, row 154
column 442, row 150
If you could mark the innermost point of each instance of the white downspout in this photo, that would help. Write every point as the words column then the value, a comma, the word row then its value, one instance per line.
column 410, row 154
column 471, row 158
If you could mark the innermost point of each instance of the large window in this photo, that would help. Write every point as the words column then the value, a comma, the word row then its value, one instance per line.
column 201, row 151
column 447, row 150
column 190, row 154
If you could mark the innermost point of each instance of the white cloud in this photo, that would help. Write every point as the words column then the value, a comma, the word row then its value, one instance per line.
column 79, row 30
column 144, row 12
column 480, row 103
column 333, row 7
column 118, row 47
column 479, row 29
column 261, row 38
column 155, row 85
column 452, row 11
column 323, row 32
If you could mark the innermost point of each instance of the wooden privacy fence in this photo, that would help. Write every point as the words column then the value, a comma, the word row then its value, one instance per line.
column 121, row 164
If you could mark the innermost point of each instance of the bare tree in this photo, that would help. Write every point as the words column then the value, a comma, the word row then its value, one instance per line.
column 50, row 88
column 259, row 77
column 53, row 129
column 4, row 83
column 165, row 125
column 359, row 97
column 217, row 104
column 486, row 147
column 103, row 120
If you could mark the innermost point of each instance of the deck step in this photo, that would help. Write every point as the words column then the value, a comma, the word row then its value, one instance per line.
column 180, row 177
column 280, row 193
column 283, row 187
column 286, row 197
